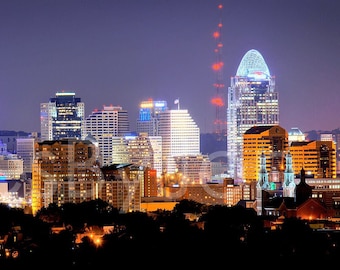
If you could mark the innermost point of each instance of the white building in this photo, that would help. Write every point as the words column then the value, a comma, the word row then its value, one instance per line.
column 296, row 135
column 146, row 151
column 252, row 100
column 180, row 137
column 104, row 125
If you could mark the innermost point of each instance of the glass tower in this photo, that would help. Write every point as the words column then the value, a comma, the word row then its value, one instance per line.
column 252, row 100
column 62, row 117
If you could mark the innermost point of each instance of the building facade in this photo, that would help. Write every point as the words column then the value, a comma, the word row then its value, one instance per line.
column 271, row 141
column 146, row 151
column 318, row 158
column 25, row 150
column 148, row 119
column 64, row 171
column 62, row 117
column 180, row 137
column 121, row 187
column 104, row 125
column 252, row 100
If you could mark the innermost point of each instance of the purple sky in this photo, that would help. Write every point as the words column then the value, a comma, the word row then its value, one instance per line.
column 121, row 52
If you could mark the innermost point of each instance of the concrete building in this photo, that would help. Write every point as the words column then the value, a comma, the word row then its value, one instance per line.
column 64, row 171
column 104, row 125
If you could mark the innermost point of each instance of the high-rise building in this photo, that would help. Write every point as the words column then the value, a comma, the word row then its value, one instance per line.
column 104, row 125
column 148, row 120
column 146, row 151
column 180, row 136
column 62, row 117
column 64, row 171
column 252, row 100
column 317, row 158
column 25, row 150
column 272, row 141
column 122, row 187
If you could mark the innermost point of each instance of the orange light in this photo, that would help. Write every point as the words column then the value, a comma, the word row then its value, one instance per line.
column 216, row 34
column 217, row 101
column 217, row 66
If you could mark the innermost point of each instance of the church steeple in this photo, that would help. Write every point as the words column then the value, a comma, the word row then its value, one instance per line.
column 263, row 182
column 288, row 180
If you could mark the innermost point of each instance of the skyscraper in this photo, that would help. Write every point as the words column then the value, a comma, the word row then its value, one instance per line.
column 148, row 120
column 62, row 117
column 252, row 100
column 104, row 125
column 64, row 171
column 180, row 136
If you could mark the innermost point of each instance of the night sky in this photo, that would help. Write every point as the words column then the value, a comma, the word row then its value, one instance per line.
column 120, row 52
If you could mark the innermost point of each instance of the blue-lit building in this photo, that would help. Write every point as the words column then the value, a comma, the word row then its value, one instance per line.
column 148, row 120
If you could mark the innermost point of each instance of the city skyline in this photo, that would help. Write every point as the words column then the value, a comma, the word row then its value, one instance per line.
column 123, row 52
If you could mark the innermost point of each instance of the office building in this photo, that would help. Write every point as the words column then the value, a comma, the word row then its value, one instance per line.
column 104, row 125
column 194, row 169
column 318, row 158
column 11, row 167
column 180, row 137
column 8, row 139
column 121, row 187
column 146, row 151
column 148, row 120
column 272, row 141
column 252, row 100
column 62, row 117
column 25, row 150
column 120, row 153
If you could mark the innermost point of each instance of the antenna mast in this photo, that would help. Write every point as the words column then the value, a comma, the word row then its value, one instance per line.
column 217, row 67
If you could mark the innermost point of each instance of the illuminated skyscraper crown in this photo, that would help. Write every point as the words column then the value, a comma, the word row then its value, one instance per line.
column 252, row 62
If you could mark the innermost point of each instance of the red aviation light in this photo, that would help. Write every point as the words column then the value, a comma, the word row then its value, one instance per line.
column 217, row 101
column 217, row 66
column 216, row 34
column 220, row 6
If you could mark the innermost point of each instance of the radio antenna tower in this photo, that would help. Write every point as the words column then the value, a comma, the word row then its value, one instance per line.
column 217, row 67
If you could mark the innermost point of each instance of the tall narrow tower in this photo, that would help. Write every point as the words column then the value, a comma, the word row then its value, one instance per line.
column 217, row 67
column 252, row 101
